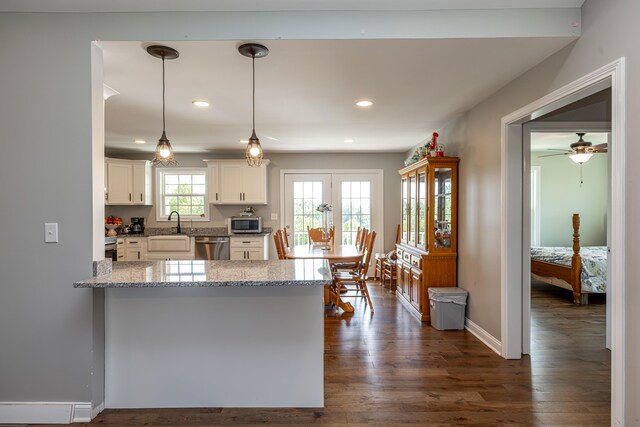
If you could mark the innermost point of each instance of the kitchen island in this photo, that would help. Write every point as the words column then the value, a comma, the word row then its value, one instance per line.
column 214, row 333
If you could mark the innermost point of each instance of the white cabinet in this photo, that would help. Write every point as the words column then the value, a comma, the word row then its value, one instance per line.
column 142, row 177
column 249, row 248
column 119, row 182
column 127, row 182
column 130, row 248
column 213, row 176
column 233, row 182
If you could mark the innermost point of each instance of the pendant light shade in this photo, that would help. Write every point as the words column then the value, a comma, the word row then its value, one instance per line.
column 164, row 152
column 254, row 149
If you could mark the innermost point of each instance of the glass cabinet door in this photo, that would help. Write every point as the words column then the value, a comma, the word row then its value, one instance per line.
column 422, row 209
column 405, row 204
column 442, row 207
column 413, row 200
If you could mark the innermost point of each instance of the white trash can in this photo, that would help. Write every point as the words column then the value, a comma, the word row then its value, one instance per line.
column 447, row 307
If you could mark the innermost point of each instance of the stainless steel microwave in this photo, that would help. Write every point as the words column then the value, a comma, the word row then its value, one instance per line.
column 245, row 224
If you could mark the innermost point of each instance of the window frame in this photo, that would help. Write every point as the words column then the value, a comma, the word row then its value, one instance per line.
column 159, row 193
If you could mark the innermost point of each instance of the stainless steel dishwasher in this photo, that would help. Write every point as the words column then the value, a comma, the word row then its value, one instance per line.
column 212, row 248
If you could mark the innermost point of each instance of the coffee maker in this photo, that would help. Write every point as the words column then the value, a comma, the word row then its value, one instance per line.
column 137, row 226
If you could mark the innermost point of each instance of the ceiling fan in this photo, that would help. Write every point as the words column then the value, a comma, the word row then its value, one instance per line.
column 581, row 150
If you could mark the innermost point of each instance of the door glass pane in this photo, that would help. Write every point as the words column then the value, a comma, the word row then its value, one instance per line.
column 307, row 196
column 355, row 206
column 422, row 209
column 405, row 216
column 442, row 208
column 413, row 198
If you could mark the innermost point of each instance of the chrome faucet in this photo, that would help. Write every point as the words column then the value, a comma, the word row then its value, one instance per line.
column 178, row 227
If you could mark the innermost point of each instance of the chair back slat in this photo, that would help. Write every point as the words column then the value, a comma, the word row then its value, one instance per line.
column 368, row 249
column 277, row 237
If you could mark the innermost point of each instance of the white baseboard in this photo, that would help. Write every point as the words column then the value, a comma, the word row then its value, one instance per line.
column 97, row 410
column 45, row 412
column 489, row 340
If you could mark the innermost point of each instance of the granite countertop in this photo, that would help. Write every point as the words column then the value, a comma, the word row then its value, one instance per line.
column 155, row 274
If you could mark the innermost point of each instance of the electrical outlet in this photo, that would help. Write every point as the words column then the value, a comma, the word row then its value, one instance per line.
column 274, row 217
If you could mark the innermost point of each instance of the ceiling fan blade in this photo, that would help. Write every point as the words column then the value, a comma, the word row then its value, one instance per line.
column 551, row 155
column 599, row 146
column 555, row 149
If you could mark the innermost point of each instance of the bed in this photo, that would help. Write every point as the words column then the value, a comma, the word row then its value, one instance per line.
column 581, row 270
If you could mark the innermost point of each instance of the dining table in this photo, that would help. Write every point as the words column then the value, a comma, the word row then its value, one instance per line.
column 334, row 254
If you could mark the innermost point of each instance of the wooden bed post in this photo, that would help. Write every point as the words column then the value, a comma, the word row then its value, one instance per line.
column 576, row 261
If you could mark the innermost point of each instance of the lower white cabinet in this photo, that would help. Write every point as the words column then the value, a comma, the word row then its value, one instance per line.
column 159, row 248
column 130, row 248
column 249, row 248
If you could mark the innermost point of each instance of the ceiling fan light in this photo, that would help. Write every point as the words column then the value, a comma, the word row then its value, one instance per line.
column 580, row 157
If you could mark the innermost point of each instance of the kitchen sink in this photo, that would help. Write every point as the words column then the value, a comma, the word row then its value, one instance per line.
column 170, row 243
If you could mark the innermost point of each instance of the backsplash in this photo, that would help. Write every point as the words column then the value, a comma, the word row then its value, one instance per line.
column 218, row 215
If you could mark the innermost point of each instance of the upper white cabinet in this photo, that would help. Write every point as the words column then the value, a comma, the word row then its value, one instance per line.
column 233, row 182
column 127, row 182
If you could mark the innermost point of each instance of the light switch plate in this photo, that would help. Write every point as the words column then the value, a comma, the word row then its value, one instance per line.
column 274, row 216
column 51, row 232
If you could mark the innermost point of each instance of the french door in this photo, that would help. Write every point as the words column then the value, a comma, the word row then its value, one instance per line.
column 356, row 199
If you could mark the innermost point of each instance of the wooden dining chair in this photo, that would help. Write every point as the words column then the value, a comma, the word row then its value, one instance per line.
column 381, row 257
column 355, row 283
column 276, row 241
column 363, row 236
column 280, row 249
column 317, row 235
column 285, row 238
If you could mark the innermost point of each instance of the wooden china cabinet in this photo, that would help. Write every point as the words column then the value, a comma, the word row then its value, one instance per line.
column 427, row 252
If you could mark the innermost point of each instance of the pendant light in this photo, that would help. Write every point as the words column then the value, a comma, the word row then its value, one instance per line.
column 164, row 152
column 254, row 149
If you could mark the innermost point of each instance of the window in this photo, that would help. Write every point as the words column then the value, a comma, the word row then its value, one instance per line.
column 183, row 191
column 307, row 196
column 356, row 209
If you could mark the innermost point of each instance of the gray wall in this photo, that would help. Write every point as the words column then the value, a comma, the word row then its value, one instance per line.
column 45, row 167
column 388, row 162
column 609, row 32
column 562, row 196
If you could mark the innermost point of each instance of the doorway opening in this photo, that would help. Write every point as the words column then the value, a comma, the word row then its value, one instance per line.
column 515, row 218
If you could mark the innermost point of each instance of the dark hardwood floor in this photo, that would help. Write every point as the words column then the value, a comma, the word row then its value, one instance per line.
column 388, row 369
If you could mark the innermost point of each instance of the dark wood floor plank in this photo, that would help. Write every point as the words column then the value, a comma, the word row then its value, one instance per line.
column 389, row 369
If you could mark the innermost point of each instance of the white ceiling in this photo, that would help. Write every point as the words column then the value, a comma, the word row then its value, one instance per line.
column 271, row 5
column 306, row 91
column 547, row 141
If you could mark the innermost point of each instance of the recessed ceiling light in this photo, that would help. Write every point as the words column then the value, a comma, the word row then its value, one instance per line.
column 364, row 103
column 200, row 103
column 348, row 141
column 140, row 141
column 244, row 141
